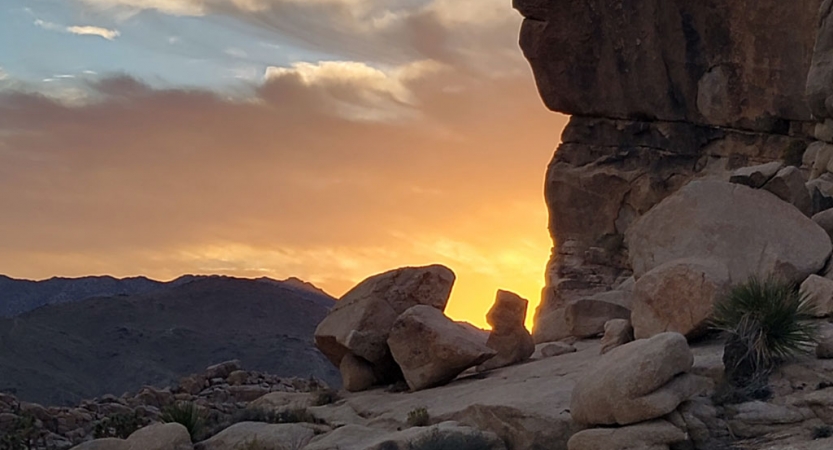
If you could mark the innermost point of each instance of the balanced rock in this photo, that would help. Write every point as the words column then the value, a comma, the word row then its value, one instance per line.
column 431, row 349
column 653, row 435
column 361, row 320
column 756, row 176
column 819, row 292
column 751, row 231
column 790, row 185
column 678, row 296
column 509, row 337
column 642, row 380
column 617, row 332
column 587, row 317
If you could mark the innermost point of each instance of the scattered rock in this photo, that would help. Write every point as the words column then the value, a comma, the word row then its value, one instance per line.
column 756, row 176
column 638, row 381
column 654, row 435
column 617, row 332
column 509, row 337
column 222, row 370
column 750, row 231
column 361, row 320
column 678, row 296
column 431, row 349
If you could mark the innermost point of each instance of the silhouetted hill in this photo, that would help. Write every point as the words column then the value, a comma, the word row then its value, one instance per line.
column 61, row 353
column 20, row 296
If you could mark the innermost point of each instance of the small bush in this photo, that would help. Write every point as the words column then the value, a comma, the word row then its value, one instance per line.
column 419, row 417
column 186, row 414
column 821, row 432
column 767, row 322
column 22, row 434
column 119, row 426
column 323, row 397
column 453, row 441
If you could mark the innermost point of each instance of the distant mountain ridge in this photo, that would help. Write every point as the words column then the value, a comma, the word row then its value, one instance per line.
column 62, row 353
column 18, row 296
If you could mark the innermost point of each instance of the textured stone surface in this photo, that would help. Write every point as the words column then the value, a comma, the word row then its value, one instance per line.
column 751, row 231
column 678, row 296
column 756, row 176
column 431, row 349
column 789, row 184
column 819, row 292
column 617, row 332
column 509, row 337
column 362, row 318
column 654, row 435
column 639, row 381
column 267, row 435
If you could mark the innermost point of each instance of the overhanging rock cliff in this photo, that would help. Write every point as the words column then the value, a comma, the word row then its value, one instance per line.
column 660, row 92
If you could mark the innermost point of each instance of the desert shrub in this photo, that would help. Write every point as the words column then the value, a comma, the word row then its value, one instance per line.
column 323, row 397
column 22, row 434
column 822, row 431
column 726, row 393
column 452, row 441
column 767, row 322
column 419, row 417
column 119, row 425
column 186, row 414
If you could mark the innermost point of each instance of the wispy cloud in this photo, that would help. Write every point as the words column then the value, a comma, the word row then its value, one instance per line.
column 3, row 74
column 79, row 30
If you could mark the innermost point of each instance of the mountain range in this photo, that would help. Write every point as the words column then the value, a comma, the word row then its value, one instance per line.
column 136, row 332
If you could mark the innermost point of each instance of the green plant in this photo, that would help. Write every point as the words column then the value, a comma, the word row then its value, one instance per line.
column 186, row 414
column 323, row 397
column 119, row 426
column 822, row 431
column 451, row 441
column 22, row 434
column 767, row 322
column 419, row 417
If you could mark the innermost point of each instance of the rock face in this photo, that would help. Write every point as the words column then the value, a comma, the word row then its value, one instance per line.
column 509, row 337
column 678, row 296
column 431, row 349
column 638, row 381
column 617, row 332
column 361, row 320
column 659, row 93
column 751, row 231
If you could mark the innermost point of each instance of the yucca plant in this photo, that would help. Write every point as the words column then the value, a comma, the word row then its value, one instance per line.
column 767, row 322
column 186, row 414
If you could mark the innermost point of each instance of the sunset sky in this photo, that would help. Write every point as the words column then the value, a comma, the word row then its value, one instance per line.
column 323, row 139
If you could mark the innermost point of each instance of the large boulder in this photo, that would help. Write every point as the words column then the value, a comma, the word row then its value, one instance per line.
column 642, row 380
column 431, row 349
column 360, row 322
column 654, row 435
column 160, row 436
column 751, row 231
column 267, row 435
column 790, row 185
column 509, row 337
column 678, row 296
column 587, row 317
column 756, row 176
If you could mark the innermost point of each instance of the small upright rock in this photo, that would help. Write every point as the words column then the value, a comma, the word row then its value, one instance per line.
column 509, row 337
column 756, row 176
column 617, row 332
column 431, row 349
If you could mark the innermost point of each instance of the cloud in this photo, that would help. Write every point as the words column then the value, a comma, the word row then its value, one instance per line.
column 3, row 74
column 162, row 182
column 94, row 31
column 79, row 30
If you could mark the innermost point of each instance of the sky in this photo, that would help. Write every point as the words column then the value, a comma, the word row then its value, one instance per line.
column 323, row 139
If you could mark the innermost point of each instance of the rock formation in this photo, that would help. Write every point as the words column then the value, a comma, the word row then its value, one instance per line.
column 661, row 92
column 361, row 321
column 509, row 336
